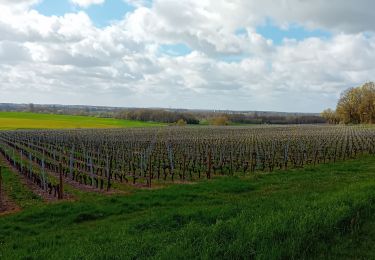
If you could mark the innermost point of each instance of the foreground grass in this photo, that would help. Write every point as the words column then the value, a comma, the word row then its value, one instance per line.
column 306, row 213
column 23, row 120
column 357, row 244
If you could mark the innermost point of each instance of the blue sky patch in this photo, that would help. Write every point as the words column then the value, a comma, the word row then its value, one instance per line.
column 297, row 32
column 179, row 49
column 101, row 15
column 53, row 7
column 109, row 11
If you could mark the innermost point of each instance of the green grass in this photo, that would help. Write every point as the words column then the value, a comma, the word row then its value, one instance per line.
column 24, row 120
column 358, row 244
column 18, row 192
column 316, row 212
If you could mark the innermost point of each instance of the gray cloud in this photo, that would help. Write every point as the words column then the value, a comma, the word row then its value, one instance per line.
column 12, row 52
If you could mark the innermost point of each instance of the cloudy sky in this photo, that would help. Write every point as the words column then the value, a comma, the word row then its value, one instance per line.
column 296, row 55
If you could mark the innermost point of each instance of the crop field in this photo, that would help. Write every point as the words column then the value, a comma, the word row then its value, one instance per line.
column 20, row 120
column 260, row 192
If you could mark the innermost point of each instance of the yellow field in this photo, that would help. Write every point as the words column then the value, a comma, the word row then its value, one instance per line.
column 23, row 120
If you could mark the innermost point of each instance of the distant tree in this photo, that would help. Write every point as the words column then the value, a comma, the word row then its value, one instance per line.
column 156, row 115
column 355, row 106
column 54, row 109
column 347, row 107
column 331, row 116
column 181, row 122
column 367, row 106
column 220, row 120
column 256, row 115
column 31, row 107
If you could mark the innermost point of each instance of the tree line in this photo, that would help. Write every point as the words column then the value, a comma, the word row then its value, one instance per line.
column 275, row 119
column 355, row 106
column 172, row 116
column 157, row 115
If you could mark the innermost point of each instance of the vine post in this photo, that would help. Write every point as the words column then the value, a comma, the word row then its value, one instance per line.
column 1, row 186
column 61, row 187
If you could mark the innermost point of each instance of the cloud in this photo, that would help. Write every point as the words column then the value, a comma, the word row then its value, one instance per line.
column 198, row 25
column 335, row 15
column 13, row 52
column 138, row 3
column 67, row 59
column 87, row 3
column 18, row 5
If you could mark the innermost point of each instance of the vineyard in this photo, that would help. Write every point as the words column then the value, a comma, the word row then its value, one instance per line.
column 259, row 192
column 101, row 160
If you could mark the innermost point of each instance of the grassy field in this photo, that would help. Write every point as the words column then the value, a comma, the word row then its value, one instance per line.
column 322, row 212
column 20, row 120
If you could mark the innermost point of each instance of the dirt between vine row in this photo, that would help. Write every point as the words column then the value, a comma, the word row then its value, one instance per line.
column 80, row 186
column 31, row 185
column 89, row 188
column 7, row 206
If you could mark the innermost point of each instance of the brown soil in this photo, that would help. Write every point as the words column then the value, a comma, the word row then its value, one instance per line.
column 7, row 206
column 66, row 180
column 82, row 187
column 30, row 185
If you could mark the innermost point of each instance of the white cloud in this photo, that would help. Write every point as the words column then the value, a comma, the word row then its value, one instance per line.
column 67, row 59
column 87, row 3
column 18, row 5
column 138, row 3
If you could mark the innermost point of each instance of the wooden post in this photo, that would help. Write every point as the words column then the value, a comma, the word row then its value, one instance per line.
column 150, row 172
column 184, row 168
column 231, row 163
column 209, row 166
column 253, row 161
column 109, row 172
column 1, row 185
column 61, row 187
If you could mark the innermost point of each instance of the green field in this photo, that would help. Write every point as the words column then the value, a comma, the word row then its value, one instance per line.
column 324, row 212
column 24, row 120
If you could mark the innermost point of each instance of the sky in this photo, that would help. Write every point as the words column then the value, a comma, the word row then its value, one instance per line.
column 288, row 55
